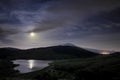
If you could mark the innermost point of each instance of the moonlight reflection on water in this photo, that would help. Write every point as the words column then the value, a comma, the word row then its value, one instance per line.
column 31, row 65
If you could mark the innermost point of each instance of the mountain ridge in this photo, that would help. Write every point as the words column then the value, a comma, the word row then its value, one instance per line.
column 52, row 52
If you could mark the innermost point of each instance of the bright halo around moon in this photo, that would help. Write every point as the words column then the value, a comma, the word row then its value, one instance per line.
column 32, row 34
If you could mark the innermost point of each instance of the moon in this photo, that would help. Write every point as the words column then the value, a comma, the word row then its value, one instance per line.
column 32, row 34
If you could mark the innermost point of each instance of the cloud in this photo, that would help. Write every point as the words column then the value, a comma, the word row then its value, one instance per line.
column 65, row 13
column 57, row 19
column 8, row 18
column 6, row 31
column 106, row 22
column 50, row 14
column 100, row 41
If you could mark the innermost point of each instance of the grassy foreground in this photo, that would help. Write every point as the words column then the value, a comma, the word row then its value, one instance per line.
column 106, row 67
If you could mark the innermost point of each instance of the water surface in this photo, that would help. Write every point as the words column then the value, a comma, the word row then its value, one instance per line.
column 31, row 65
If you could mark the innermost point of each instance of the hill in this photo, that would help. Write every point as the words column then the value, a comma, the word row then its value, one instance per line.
column 47, row 53
column 8, row 52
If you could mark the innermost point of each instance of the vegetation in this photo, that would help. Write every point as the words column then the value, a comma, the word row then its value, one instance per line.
column 7, row 69
column 49, row 53
column 76, row 64
column 98, row 68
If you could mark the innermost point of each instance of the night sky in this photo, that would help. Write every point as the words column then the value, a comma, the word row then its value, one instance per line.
column 41, row 23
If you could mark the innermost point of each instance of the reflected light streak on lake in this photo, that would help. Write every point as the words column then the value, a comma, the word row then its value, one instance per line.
column 31, row 63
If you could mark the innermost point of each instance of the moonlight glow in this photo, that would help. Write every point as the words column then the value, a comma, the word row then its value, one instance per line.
column 32, row 34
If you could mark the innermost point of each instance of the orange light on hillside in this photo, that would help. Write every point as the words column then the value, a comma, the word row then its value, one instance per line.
column 105, row 52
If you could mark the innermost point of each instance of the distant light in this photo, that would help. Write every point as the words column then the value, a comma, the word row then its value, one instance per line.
column 32, row 34
column 105, row 52
column 31, row 63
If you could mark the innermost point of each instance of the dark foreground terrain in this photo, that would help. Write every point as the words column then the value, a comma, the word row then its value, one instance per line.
column 70, row 63
column 106, row 67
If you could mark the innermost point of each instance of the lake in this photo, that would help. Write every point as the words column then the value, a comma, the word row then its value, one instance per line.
column 30, row 65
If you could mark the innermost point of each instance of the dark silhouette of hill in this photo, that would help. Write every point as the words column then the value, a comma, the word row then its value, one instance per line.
column 54, row 52
column 8, row 52
column 115, row 54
